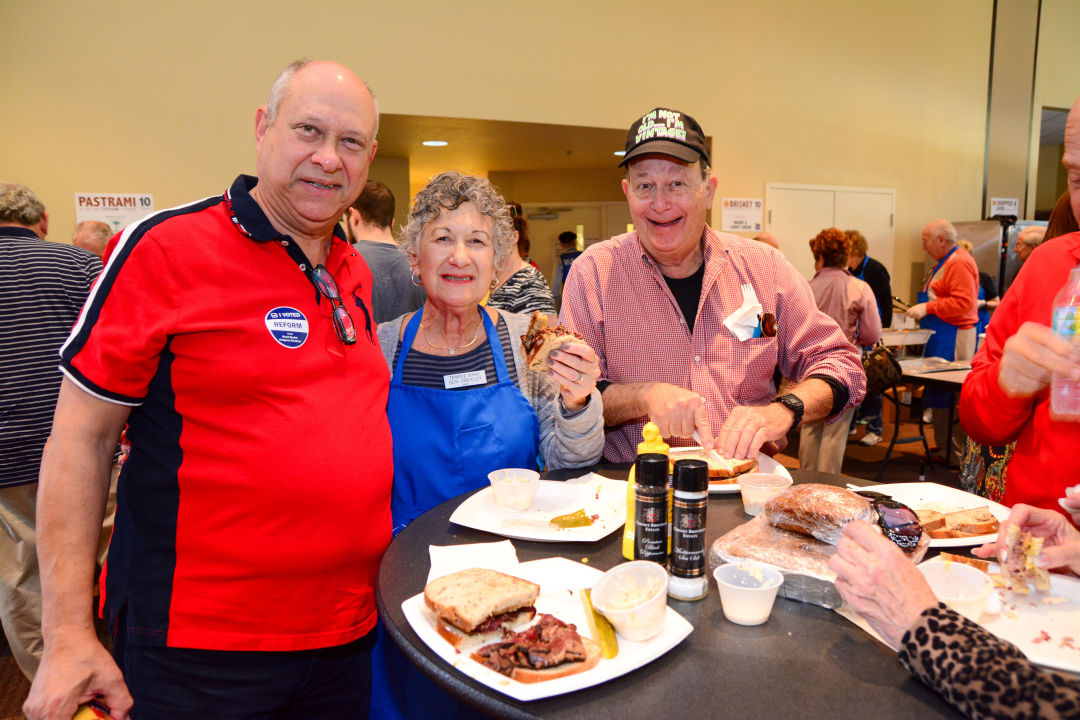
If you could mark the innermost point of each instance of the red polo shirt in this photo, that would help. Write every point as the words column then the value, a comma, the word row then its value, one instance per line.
column 255, row 505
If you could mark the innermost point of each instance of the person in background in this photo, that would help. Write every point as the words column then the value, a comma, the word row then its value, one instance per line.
column 369, row 227
column 850, row 302
column 520, row 287
column 874, row 274
column 978, row 673
column 1062, row 221
column 1029, row 239
column 463, row 401
column 568, row 252
column 92, row 235
column 42, row 289
column 768, row 239
column 690, row 324
column 234, row 336
column 1006, row 396
column 948, row 305
column 988, row 294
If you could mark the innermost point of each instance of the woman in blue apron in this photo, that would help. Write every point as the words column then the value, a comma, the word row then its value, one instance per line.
column 462, row 402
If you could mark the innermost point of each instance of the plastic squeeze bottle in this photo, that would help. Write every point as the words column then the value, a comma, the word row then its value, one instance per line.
column 1065, row 393
column 651, row 442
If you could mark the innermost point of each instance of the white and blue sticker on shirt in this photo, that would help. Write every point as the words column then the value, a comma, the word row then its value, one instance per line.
column 287, row 326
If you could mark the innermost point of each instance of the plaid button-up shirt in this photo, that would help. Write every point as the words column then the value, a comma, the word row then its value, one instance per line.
column 616, row 297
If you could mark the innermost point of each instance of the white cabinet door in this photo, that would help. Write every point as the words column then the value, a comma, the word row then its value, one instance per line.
column 871, row 213
column 796, row 213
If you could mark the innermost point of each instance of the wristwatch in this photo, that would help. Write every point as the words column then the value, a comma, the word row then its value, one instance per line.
column 794, row 404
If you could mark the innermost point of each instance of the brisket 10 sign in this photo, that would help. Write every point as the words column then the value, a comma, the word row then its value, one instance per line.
column 117, row 209
column 741, row 214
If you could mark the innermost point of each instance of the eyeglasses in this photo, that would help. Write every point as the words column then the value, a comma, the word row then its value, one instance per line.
column 900, row 523
column 343, row 323
column 767, row 323
column 648, row 190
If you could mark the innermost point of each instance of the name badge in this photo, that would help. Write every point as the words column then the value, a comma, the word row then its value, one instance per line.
column 468, row 379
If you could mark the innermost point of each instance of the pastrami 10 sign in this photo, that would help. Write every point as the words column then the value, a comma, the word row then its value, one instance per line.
column 117, row 209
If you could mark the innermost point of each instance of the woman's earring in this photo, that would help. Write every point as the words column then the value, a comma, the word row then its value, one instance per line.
column 412, row 274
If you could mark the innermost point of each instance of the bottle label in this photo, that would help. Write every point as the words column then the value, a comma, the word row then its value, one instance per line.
column 688, row 542
column 1066, row 322
column 650, row 528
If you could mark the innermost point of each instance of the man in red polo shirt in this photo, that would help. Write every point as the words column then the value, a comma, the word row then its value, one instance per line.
column 234, row 337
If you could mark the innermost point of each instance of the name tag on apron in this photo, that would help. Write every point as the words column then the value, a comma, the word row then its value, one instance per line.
column 468, row 379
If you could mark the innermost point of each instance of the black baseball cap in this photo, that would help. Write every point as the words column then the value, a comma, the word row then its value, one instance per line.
column 666, row 132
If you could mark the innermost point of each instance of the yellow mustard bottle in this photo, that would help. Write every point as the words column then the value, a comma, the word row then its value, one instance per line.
column 651, row 442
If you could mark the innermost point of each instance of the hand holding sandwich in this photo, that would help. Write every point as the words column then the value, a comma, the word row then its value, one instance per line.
column 575, row 367
column 1061, row 540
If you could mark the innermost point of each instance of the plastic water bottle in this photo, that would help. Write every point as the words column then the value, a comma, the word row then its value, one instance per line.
column 1065, row 393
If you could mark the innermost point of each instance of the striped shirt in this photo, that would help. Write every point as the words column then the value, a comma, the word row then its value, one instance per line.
column 425, row 370
column 43, row 286
column 617, row 299
column 524, row 292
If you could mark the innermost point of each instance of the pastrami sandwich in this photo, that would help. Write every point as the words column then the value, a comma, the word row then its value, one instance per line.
column 1021, row 551
column 540, row 339
column 546, row 650
column 474, row 606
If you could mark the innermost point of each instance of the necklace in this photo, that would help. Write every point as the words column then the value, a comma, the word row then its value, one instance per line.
column 451, row 350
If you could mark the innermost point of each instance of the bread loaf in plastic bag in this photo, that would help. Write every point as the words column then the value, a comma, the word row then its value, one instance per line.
column 821, row 511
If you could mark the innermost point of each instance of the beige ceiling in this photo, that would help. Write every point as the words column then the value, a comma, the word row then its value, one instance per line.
column 481, row 146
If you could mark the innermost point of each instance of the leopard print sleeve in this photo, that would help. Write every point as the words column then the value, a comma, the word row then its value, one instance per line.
column 980, row 674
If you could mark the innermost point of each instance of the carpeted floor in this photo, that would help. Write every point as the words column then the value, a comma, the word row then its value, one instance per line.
column 859, row 461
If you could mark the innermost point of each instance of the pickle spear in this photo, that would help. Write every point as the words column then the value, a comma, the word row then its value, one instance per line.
column 599, row 627
column 578, row 518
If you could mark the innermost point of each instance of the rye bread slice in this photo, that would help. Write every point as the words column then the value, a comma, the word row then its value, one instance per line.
column 469, row 597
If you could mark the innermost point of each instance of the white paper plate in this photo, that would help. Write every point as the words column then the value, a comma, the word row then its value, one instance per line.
column 593, row 493
column 765, row 465
column 560, row 581
column 1047, row 632
column 925, row 495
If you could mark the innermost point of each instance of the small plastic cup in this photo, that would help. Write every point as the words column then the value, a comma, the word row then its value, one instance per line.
column 633, row 597
column 514, row 488
column 747, row 591
column 758, row 488
column 967, row 590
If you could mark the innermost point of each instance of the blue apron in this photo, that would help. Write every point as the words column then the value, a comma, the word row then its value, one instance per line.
column 941, row 344
column 445, row 444
column 984, row 318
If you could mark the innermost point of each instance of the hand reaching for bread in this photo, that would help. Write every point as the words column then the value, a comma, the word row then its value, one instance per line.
column 1061, row 539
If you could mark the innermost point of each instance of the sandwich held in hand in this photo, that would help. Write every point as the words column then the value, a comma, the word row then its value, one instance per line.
column 540, row 339
column 1018, row 562
column 474, row 606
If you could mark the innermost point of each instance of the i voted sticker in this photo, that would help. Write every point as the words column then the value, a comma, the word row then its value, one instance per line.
column 288, row 326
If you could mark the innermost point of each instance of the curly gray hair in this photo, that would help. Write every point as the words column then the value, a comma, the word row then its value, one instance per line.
column 447, row 191
column 20, row 204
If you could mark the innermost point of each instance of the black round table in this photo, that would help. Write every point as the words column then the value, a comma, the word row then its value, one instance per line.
column 805, row 662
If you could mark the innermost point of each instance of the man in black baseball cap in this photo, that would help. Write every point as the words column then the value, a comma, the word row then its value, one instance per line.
column 667, row 132
column 689, row 323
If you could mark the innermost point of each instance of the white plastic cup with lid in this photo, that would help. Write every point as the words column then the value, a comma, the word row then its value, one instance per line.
column 747, row 591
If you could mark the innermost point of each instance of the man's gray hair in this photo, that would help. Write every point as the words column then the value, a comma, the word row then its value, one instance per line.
column 101, row 231
column 944, row 230
column 447, row 191
column 1033, row 235
column 281, row 84
column 19, row 204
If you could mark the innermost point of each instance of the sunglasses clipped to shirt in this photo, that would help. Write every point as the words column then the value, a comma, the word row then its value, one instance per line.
column 343, row 323
column 899, row 522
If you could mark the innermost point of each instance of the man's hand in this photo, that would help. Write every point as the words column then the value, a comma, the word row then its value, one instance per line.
column 1071, row 503
column 879, row 582
column 1061, row 540
column 677, row 412
column 75, row 669
column 917, row 312
column 1031, row 357
column 747, row 428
